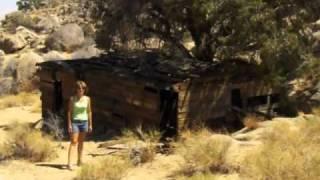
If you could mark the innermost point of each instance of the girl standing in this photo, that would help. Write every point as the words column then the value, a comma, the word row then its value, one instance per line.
column 79, row 120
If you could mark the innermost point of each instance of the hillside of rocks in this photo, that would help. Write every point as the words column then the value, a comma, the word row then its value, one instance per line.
column 53, row 32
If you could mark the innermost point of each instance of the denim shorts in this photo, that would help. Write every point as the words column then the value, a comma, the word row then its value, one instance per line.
column 79, row 126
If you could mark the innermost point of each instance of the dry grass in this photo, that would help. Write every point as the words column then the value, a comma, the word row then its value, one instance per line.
column 251, row 121
column 203, row 154
column 287, row 152
column 111, row 168
column 198, row 133
column 129, row 135
column 199, row 176
column 21, row 99
column 141, row 144
column 27, row 143
column 36, row 107
column 316, row 111
column 143, row 153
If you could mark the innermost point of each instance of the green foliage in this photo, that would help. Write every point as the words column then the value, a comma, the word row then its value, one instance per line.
column 28, row 4
column 219, row 29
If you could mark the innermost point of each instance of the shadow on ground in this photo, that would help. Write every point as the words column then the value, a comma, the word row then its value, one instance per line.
column 56, row 166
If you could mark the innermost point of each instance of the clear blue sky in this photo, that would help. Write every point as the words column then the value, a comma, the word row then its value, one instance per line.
column 7, row 6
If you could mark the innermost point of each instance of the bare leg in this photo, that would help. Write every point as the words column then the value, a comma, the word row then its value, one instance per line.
column 73, row 143
column 82, row 136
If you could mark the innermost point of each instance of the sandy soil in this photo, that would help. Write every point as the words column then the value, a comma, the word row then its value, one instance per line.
column 160, row 169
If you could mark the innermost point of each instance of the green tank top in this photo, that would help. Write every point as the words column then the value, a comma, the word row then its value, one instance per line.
column 80, row 108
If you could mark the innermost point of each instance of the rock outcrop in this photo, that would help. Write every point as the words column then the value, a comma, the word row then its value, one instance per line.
column 68, row 37
column 48, row 24
column 26, row 67
column 55, row 31
column 11, row 43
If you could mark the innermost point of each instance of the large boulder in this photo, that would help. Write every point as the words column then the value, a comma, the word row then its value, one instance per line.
column 12, row 43
column 316, row 96
column 2, row 53
column 19, row 18
column 26, row 68
column 316, row 35
column 87, row 52
column 317, row 24
column 9, row 67
column 48, row 24
column 7, row 86
column 27, row 34
column 68, row 38
column 53, row 55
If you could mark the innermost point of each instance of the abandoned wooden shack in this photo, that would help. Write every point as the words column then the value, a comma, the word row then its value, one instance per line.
column 154, row 91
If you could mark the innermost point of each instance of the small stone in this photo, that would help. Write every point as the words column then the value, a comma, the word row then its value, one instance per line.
column 2, row 53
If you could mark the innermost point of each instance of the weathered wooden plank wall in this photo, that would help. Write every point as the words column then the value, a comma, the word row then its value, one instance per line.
column 122, row 101
column 201, row 100
column 205, row 99
column 47, row 90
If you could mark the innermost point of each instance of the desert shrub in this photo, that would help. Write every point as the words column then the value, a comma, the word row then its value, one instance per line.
column 53, row 124
column 140, row 154
column 137, row 134
column 142, row 148
column 287, row 152
column 27, row 143
column 203, row 155
column 111, row 168
column 21, row 99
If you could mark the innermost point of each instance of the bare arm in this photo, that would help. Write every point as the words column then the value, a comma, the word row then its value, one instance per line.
column 69, row 115
column 90, row 115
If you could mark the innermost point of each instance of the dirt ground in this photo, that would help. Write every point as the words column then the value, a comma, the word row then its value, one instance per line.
column 55, row 170
column 159, row 169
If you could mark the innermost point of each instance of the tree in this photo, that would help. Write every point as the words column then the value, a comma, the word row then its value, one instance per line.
column 28, row 4
column 273, row 30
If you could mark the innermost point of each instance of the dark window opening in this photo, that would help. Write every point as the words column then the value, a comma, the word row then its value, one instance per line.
column 151, row 89
column 257, row 100
column 236, row 99
column 117, row 115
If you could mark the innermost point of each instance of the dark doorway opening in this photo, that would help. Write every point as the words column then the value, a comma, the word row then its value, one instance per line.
column 168, row 109
column 236, row 99
column 58, row 99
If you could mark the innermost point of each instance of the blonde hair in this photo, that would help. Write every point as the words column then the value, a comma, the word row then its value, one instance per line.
column 83, row 85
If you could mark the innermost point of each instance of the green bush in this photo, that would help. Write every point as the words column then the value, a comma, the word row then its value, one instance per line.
column 29, row 4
